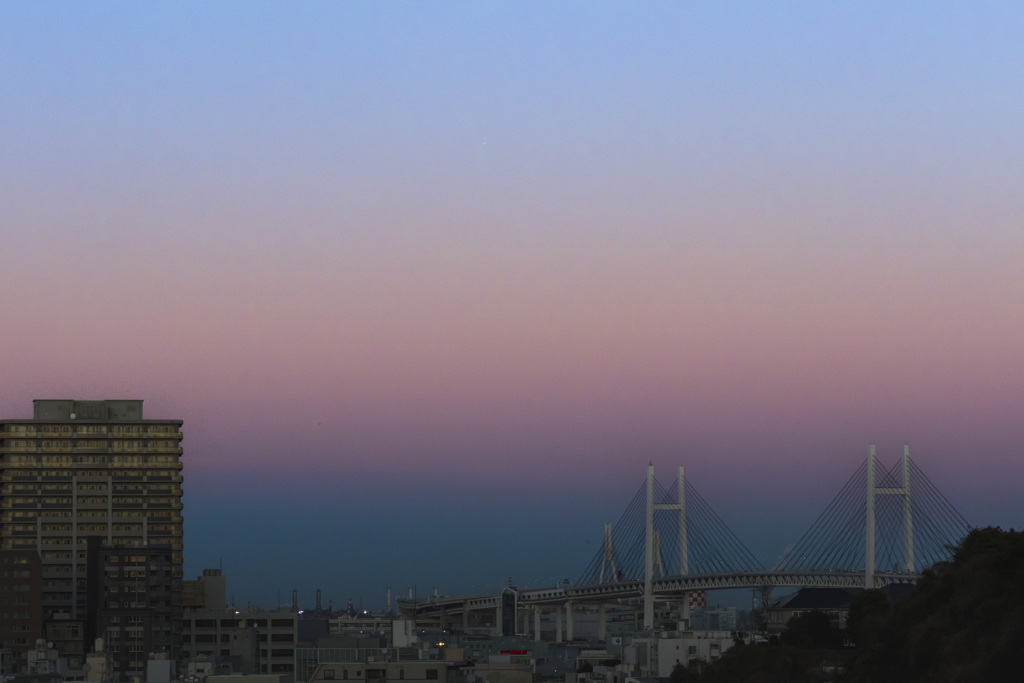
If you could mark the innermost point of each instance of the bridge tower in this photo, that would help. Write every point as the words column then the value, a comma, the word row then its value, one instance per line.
column 680, row 506
column 908, row 522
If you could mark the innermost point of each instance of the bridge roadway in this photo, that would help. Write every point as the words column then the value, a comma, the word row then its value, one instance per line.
column 665, row 589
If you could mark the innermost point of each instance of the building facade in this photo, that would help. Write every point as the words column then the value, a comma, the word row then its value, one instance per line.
column 21, row 600
column 381, row 672
column 206, row 592
column 131, row 605
column 260, row 642
column 81, row 469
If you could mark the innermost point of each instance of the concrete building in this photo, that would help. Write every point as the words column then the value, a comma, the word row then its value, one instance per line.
column 88, row 468
column 131, row 606
column 335, row 649
column 21, row 600
column 381, row 672
column 257, row 642
column 713, row 619
column 207, row 592
column 690, row 647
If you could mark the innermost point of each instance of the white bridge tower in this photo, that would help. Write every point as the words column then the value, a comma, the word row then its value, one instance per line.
column 908, row 522
column 650, row 541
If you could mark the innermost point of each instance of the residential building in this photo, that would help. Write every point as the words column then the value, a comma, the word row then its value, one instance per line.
column 132, row 605
column 21, row 596
column 88, row 468
column 831, row 601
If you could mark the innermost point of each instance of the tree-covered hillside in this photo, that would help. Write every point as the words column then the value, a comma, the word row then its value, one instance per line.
column 962, row 623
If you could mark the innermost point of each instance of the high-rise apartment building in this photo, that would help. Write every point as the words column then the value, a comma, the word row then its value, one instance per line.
column 81, row 469
column 131, row 604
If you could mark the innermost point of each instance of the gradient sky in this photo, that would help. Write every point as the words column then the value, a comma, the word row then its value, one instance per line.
column 431, row 283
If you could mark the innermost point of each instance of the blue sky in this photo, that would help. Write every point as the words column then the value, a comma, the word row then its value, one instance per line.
column 431, row 283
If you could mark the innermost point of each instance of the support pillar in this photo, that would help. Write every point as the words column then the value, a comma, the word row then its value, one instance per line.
column 568, row 621
column 649, row 556
column 684, row 565
column 536, row 624
column 869, row 548
column 558, row 625
column 653, row 540
column 908, row 522
column 602, row 623
column 465, row 616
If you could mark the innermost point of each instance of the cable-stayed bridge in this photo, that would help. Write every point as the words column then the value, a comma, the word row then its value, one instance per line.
column 883, row 527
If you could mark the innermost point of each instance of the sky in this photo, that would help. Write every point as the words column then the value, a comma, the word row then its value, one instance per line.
column 430, row 284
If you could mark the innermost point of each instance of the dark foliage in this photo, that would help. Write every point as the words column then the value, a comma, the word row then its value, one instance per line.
column 812, row 630
column 963, row 622
column 761, row 664
column 868, row 612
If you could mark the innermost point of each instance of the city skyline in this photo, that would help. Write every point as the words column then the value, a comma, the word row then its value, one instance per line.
column 430, row 285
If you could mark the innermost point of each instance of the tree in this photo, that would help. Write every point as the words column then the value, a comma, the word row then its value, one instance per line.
column 868, row 613
column 681, row 674
column 812, row 630
column 964, row 621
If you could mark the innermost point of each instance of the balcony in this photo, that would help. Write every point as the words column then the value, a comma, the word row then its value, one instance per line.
column 170, row 478
column 7, row 478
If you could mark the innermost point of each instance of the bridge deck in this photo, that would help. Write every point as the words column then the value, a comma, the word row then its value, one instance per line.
column 665, row 588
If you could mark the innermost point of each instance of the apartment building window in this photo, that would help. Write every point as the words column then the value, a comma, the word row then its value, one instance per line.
column 22, row 429
column 91, row 429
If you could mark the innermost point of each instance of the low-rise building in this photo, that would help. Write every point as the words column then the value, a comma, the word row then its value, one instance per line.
column 690, row 647
column 831, row 601
column 381, row 672
column 258, row 642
